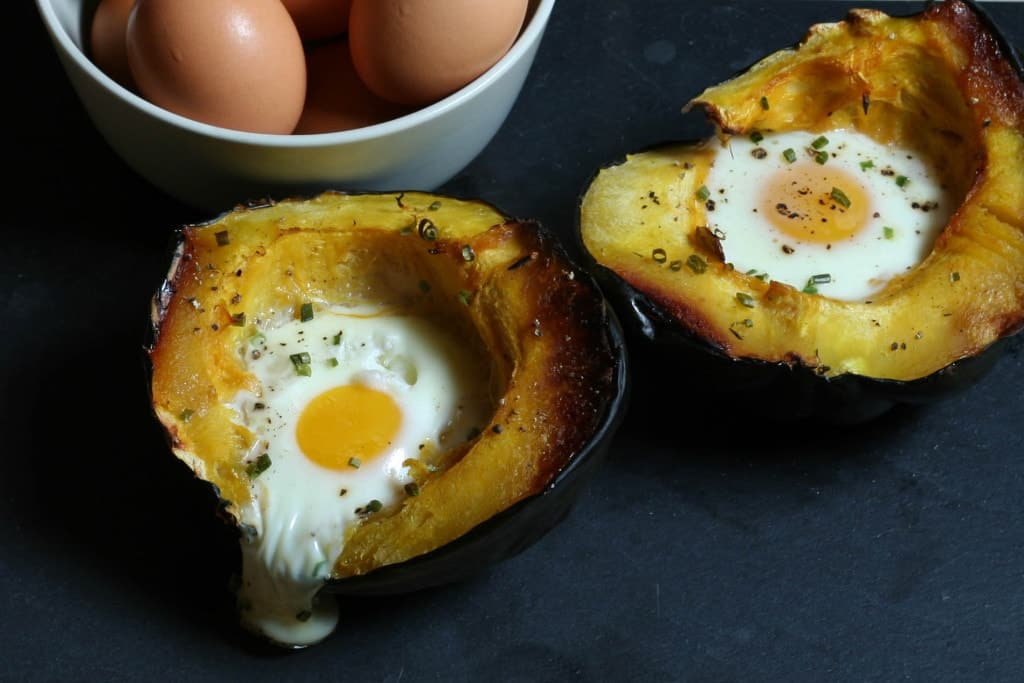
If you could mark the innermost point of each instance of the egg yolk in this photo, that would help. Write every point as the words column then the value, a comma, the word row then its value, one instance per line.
column 814, row 203
column 349, row 421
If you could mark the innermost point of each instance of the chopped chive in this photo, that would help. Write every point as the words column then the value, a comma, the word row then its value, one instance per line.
column 412, row 489
column 222, row 237
column 258, row 466
column 760, row 275
column 428, row 230
column 374, row 506
column 186, row 414
column 306, row 312
column 696, row 264
column 819, row 142
column 336, row 339
column 840, row 197
column 821, row 279
column 467, row 253
column 659, row 255
column 434, row 206
column 865, row 165
column 902, row 180
column 238, row 319
column 756, row 137
column 319, row 568
column 257, row 339
column 821, row 157
column 332, row 362
column 675, row 265
column 809, row 288
column 745, row 299
column 703, row 193
column 301, row 361
column 764, row 103
column 354, row 462
column 954, row 276
column 888, row 232
column 466, row 297
column 789, row 155
column 747, row 322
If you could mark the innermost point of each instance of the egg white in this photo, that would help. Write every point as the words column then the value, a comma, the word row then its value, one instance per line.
column 300, row 512
column 903, row 220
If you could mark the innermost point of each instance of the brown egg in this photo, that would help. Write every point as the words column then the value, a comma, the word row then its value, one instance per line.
column 418, row 51
column 336, row 99
column 317, row 19
column 107, row 39
column 232, row 63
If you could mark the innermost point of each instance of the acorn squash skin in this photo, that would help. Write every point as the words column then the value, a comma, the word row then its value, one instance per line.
column 559, row 348
column 967, row 296
column 766, row 391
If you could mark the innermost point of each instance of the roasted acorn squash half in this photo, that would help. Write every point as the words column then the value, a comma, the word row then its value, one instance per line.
column 486, row 362
column 942, row 83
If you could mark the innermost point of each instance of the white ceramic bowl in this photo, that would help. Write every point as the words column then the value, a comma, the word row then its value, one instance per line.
column 214, row 168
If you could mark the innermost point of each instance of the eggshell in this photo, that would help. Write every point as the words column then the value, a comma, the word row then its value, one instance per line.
column 232, row 63
column 418, row 51
column 317, row 19
column 336, row 99
column 107, row 39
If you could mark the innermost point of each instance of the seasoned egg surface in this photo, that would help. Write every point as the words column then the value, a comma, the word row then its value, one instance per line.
column 347, row 400
column 837, row 214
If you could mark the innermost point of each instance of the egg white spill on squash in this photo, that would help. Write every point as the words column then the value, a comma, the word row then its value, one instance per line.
column 837, row 214
column 347, row 401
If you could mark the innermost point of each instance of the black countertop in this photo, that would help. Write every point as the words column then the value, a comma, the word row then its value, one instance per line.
column 699, row 552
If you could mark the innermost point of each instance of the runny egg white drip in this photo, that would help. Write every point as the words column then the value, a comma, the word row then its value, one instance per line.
column 773, row 203
column 412, row 381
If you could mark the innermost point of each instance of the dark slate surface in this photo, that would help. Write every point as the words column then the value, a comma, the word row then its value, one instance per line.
column 703, row 551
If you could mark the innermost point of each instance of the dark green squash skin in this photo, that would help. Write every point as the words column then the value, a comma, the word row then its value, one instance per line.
column 662, row 347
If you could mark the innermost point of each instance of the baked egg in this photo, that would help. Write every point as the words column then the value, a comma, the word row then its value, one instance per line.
column 837, row 214
column 346, row 402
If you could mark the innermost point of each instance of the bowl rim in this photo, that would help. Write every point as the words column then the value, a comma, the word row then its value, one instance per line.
column 529, row 35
